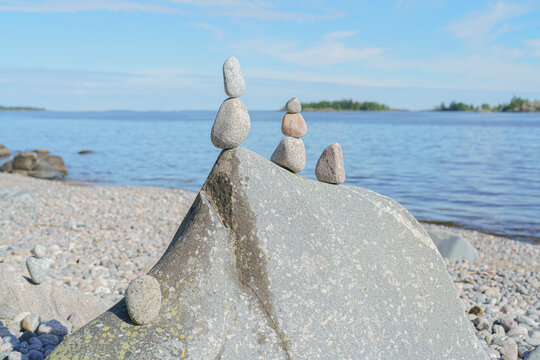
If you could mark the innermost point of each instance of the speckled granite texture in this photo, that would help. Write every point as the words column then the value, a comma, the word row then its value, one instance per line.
column 271, row 265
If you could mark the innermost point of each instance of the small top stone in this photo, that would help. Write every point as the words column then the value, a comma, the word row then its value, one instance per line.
column 143, row 299
column 39, row 251
column 293, row 106
column 232, row 78
column 330, row 168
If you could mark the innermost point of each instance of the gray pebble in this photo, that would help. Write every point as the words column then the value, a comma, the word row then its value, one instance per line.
column 293, row 106
column 526, row 320
column 15, row 355
column 37, row 268
column 143, row 299
column 232, row 78
column 231, row 126
column 330, row 167
column 39, row 251
column 34, row 355
column 290, row 154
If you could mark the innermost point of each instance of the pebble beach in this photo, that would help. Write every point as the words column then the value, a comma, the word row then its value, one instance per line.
column 101, row 238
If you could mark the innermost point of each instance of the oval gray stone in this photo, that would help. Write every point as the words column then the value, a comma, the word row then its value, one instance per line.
column 143, row 299
column 30, row 322
column 330, row 167
column 232, row 78
column 293, row 106
column 290, row 154
column 39, row 251
column 37, row 268
column 232, row 124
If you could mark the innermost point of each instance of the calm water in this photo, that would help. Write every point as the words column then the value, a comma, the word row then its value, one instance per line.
column 480, row 171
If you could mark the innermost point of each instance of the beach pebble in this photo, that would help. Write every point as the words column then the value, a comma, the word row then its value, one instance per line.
column 293, row 125
column 37, row 268
column 290, row 154
column 509, row 351
column 293, row 106
column 31, row 322
column 330, row 167
column 143, row 299
column 39, row 251
column 231, row 126
column 232, row 78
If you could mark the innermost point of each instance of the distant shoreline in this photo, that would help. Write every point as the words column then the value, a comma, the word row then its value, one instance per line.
column 20, row 108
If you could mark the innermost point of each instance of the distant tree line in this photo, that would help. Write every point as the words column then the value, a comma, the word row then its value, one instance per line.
column 516, row 104
column 19, row 108
column 345, row 105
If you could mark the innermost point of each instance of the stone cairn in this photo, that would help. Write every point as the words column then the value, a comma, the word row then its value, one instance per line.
column 330, row 168
column 232, row 123
column 38, row 265
column 290, row 152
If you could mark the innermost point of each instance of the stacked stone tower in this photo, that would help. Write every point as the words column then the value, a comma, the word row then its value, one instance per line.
column 291, row 153
column 232, row 123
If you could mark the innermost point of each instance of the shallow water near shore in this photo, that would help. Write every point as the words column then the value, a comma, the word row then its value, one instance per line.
column 478, row 171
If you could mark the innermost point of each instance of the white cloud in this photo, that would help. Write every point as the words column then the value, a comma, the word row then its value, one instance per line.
column 71, row 6
column 486, row 25
column 330, row 51
column 216, row 32
column 534, row 46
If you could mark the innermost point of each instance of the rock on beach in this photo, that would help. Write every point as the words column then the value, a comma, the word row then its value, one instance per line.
column 143, row 299
column 290, row 154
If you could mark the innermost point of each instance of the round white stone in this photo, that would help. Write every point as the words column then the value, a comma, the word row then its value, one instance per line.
column 232, row 124
column 39, row 251
column 143, row 299
column 232, row 78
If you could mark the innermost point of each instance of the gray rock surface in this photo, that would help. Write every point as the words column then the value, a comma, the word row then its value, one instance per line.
column 271, row 265
column 293, row 125
column 290, row 154
column 293, row 106
column 18, row 295
column 330, row 167
column 143, row 299
column 232, row 124
column 232, row 78
column 37, row 268
column 453, row 246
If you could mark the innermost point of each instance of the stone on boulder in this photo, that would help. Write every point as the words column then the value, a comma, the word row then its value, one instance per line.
column 24, row 161
column 4, row 151
column 271, row 265
column 452, row 246
column 18, row 295
column 233, row 80
column 232, row 124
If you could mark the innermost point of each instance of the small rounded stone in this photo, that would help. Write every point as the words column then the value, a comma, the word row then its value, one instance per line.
column 330, row 167
column 31, row 322
column 290, row 154
column 39, row 251
column 37, row 268
column 293, row 106
column 143, row 299
column 293, row 125
column 232, row 78
column 232, row 124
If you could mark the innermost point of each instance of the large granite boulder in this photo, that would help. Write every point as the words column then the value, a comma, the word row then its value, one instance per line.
column 452, row 246
column 270, row 265
column 18, row 294
column 4, row 151
column 50, row 167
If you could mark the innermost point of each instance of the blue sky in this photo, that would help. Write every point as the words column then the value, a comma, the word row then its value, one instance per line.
column 167, row 54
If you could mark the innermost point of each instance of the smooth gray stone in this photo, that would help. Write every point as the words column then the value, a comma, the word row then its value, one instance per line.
column 39, row 251
column 231, row 126
column 37, row 268
column 272, row 265
column 293, row 106
column 453, row 246
column 232, row 78
column 290, row 154
column 143, row 299
column 24, row 161
column 18, row 295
